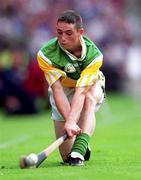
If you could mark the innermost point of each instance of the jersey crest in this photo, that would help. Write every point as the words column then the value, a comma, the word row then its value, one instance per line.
column 69, row 68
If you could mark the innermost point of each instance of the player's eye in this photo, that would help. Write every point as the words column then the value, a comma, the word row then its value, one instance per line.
column 59, row 32
column 69, row 33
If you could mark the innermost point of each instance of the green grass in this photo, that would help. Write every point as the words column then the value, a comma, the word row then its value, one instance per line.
column 116, row 144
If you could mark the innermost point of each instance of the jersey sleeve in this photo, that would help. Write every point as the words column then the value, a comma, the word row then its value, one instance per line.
column 90, row 74
column 52, row 73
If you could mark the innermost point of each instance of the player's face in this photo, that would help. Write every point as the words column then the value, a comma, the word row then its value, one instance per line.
column 68, row 35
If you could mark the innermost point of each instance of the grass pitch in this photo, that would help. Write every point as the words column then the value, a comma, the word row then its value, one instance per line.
column 116, row 144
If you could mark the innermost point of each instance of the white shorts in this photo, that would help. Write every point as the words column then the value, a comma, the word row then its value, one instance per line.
column 69, row 93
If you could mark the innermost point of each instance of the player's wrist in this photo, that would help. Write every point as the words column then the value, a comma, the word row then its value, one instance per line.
column 71, row 118
column 70, row 121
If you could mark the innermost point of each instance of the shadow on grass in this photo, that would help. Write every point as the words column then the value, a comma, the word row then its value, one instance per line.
column 49, row 164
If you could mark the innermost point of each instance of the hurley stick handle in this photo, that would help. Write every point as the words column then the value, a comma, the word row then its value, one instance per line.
column 45, row 153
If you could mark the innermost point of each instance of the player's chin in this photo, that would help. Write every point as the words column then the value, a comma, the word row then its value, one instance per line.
column 67, row 47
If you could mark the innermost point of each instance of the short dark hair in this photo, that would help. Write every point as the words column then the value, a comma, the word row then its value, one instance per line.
column 71, row 17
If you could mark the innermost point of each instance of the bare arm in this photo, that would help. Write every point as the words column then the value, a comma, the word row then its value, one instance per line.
column 77, row 104
column 64, row 108
column 61, row 100
column 76, row 107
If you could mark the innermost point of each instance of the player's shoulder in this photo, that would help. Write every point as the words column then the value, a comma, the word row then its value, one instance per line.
column 51, row 44
column 50, row 49
column 91, row 46
column 88, row 41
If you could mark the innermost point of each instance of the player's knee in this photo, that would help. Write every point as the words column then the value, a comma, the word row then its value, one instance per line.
column 93, row 96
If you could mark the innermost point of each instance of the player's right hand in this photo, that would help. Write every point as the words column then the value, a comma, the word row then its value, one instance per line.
column 72, row 129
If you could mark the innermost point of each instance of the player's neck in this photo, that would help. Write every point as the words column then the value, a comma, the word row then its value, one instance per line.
column 77, row 51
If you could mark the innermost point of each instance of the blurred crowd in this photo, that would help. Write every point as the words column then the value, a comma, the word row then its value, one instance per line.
column 25, row 25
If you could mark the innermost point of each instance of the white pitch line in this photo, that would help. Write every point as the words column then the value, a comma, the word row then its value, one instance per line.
column 14, row 142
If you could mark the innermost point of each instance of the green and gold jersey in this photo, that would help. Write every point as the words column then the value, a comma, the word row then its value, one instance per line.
column 57, row 62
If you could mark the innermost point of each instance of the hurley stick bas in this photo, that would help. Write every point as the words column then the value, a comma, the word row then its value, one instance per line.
column 34, row 160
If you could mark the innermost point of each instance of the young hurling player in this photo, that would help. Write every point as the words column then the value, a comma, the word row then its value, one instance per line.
column 71, row 65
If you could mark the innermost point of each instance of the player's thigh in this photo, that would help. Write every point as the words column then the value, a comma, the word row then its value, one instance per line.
column 95, row 96
column 66, row 147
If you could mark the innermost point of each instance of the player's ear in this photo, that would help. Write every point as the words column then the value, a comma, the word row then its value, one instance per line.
column 81, row 31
